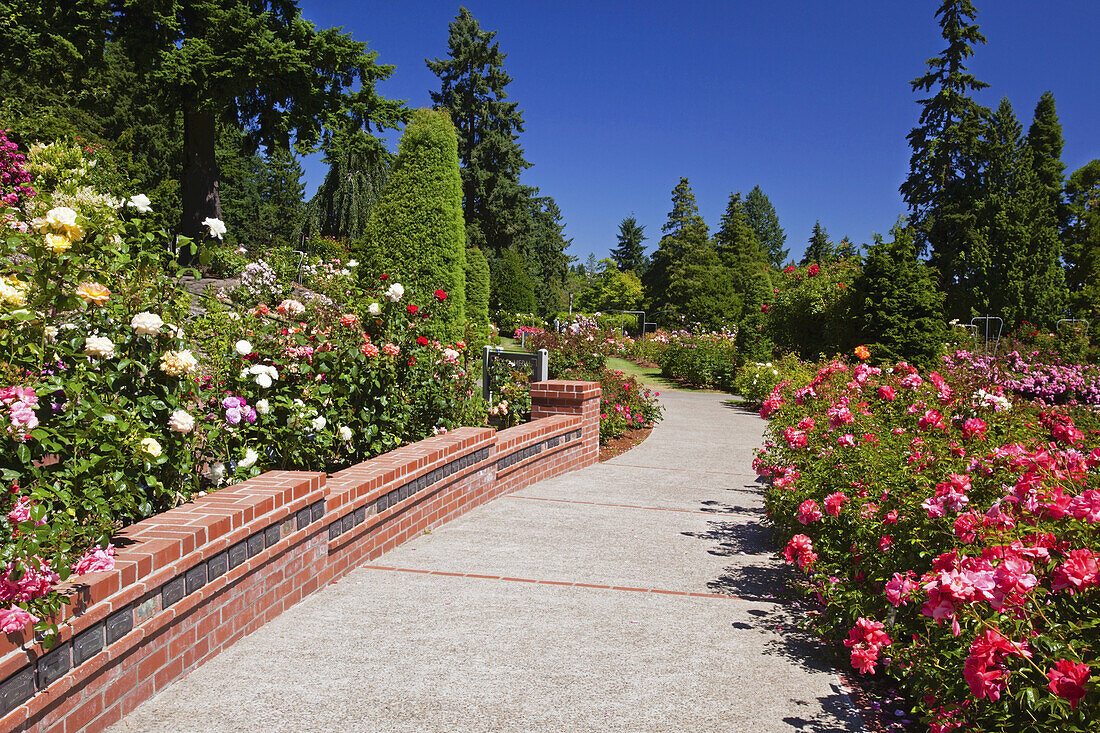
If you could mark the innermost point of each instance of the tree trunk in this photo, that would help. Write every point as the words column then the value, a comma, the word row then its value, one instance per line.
column 200, row 178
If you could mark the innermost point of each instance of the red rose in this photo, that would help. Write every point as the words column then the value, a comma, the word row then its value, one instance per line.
column 441, row 295
column 422, row 341
column 383, row 277
column 412, row 309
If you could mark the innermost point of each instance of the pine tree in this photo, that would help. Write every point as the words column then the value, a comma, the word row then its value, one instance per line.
column 820, row 249
column 742, row 257
column 629, row 255
column 495, row 204
column 1044, row 143
column 358, row 166
column 897, row 309
column 416, row 227
column 944, row 179
column 761, row 216
column 684, row 231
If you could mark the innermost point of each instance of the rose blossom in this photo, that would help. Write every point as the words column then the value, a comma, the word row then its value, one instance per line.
column 146, row 324
column 808, row 512
column 243, row 347
column 395, row 292
column 95, row 560
column 1067, row 680
column 181, row 422
column 15, row 619
column 99, row 346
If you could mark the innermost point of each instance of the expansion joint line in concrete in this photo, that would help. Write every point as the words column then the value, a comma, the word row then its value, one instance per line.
column 682, row 470
column 631, row 506
column 597, row 586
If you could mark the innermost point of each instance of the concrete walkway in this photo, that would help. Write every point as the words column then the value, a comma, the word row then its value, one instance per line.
column 596, row 601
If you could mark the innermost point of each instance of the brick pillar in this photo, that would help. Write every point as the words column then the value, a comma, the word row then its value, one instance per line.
column 560, row 397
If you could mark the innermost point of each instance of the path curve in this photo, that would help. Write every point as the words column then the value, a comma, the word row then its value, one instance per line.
column 595, row 601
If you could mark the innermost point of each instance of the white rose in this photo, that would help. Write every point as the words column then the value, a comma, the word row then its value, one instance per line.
column 100, row 346
column 374, row 309
column 263, row 380
column 243, row 347
column 215, row 226
column 146, row 324
column 181, row 422
column 51, row 333
column 395, row 292
column 216, row 473
column 141, row 203
column 352, row 263
column 249, row 460
column 345, row 433
column 263, row 407
column 319, row 422
column 61, row 217
column 150, row 447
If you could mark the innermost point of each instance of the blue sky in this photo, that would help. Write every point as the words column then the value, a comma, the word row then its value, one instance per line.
column 808, row 99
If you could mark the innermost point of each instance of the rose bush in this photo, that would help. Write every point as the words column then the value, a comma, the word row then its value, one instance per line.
column 701, row 359
column 950, row 531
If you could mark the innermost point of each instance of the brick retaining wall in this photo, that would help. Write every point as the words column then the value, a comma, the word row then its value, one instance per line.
column 191, row 581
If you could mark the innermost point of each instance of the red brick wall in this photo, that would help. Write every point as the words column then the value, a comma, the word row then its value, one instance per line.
column 191, row 581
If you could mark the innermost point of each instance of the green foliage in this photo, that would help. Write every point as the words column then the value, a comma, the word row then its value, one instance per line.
column 543, row 247
column 809, row 314
column 511, row 288
column 897, row 308
column 755, row 380
column 1044, row 144
column 477, row 289
column 820, row 249
column 743, row 258
column 358, row 167
column 417, row 225
column 473, row 81
column 629, row 253
column 944, row 179
column 761, row 216
column 705, row 360
column 1082, row 236
column 223, row 261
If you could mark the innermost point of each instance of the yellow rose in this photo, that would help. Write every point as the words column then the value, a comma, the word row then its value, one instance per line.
column 178, row 363
column 150, row 447
column 93, row 293
column 75, row 232
column 57, row 243
column 13, row 291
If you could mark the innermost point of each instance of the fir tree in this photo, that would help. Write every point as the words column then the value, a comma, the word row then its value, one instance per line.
column 761, row 216
column 281, row 189
column 819, row 249
column 944, row 179
column 684, row 232
column 1044, row 143
column 897, row 308
column 847, row 249
column 629, row 254
column 543, row 247
column 699, row 291
column 511, row 289
column 416, row 227
column 473, row 82
column 742, row 257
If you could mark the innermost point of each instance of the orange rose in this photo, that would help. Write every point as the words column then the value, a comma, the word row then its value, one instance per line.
column 863, row 352
column 93, row 293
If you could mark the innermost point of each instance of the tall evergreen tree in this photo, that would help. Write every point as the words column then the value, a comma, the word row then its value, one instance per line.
column 543, row 247
column 281, row 189
column 819, row 249
column 684, row 231
column 699, row 288
column 1082, row 237
column 629, row 254
column 761, row 216
column 510, row 287
column 358, row 167
column 846, row 249
column 416, row 228
column 477, row 290
column 742, row 257
column 473, row 82
column 944, row 179
column 896, row 306
column 1044, row 143
column 1018, row 276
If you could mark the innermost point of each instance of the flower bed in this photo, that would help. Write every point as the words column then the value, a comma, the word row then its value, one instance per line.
column 950, row 532
column 705, row 360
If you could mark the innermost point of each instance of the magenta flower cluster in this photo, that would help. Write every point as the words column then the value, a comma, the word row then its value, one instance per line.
column 13, row 173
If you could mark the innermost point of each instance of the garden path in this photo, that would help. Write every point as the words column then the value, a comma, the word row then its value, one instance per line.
column 598, row 600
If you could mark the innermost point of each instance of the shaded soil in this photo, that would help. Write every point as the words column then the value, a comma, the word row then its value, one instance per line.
column 618, row 446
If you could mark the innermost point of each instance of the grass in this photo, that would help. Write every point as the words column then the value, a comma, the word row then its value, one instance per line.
column 649, row 376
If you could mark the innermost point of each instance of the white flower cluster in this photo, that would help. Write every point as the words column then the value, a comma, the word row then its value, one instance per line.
column 99, row 346
column 262, row 374
column 146, row 324
column 395, row 292
column 302, row 413
column 999, row 403
column 259, row 280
